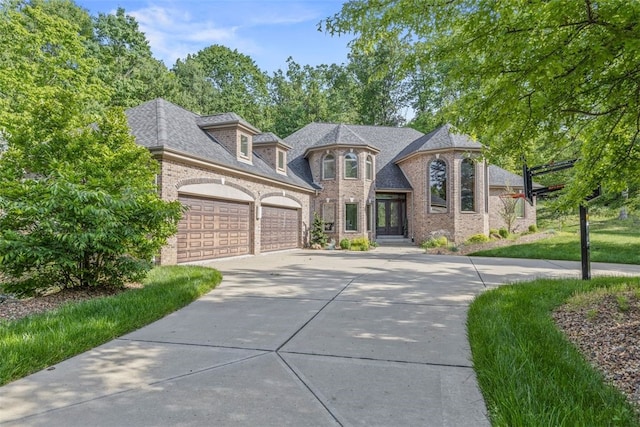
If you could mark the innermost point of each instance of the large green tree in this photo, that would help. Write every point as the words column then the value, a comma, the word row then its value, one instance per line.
column 539, row 80
column 233, row 83
column 78, row 204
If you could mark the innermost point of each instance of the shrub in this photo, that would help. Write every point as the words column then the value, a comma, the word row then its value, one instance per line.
column 493, row 232
column 533, row 228
column 478, row 238
column 435, row 242
column 503, row 232
column 360, row 244
column 345, row 244
column 318, row 237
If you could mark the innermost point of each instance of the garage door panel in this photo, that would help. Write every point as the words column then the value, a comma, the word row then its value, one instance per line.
column 280, row 228
column 204, row 231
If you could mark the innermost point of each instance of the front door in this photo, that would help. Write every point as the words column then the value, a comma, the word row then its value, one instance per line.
column 390, row 216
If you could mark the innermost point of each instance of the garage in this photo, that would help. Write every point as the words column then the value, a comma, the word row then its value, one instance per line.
column 213, row 228
column 280, row 228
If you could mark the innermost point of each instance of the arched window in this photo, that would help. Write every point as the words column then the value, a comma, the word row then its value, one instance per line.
column 438, row 186
column 350, row 165
column 369, row 168
column 467, row 185
column 329, row 167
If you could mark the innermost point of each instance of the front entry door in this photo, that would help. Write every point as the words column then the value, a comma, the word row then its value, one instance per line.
column 390, row 217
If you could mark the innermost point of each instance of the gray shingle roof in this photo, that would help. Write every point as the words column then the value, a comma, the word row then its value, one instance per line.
column 441, row 138
column 499, row 177
column 161, row 124
column 389, row 140
column 268, row 138
column 223, row 119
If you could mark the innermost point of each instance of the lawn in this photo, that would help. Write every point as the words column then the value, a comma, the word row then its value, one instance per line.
column 612, row 240
column 38, row 341
column 529, row 373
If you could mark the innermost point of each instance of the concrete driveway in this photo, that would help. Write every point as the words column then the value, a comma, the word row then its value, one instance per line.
column 302, row 338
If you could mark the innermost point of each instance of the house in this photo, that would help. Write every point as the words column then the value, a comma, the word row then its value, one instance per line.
column 249, row 192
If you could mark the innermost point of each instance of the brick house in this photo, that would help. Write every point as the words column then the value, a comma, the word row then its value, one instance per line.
column 249, row 192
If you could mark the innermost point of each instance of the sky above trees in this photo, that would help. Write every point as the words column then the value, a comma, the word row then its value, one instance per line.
column 269, row 31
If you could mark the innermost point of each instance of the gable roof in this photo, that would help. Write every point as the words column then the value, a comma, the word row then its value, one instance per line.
column 159, row 124
column 388, row 140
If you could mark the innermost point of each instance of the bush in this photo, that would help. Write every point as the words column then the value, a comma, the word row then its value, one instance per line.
column 318, row 237
column 345, row 244
column 503, row 232
column 360, row 244
column 435, row 242
column 533, row 228
column 493, row 232
column 478, row 238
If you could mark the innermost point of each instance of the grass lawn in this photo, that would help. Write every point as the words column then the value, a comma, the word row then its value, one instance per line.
column 613, row 240
column 36, row 342
column 529, row 373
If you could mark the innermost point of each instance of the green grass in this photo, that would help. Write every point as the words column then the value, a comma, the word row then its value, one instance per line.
column 529, row 373
column 36, row 342
column 615, row 241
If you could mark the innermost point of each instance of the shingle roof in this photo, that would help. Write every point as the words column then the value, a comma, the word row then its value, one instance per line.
column 161, row 124
column 499, row 177
column 389, row 140
column 223, row 119
column 268, row 138
column 441, row 138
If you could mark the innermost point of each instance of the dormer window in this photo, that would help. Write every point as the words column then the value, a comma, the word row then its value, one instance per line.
column 282, row 161
column 244, row 146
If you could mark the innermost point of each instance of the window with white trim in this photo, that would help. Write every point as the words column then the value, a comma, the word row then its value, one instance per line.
column 351, row 217
column 329, row 167
column 350, row 165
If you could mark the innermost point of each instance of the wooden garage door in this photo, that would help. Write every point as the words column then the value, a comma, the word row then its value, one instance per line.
column 212, row 228
column 280, row 229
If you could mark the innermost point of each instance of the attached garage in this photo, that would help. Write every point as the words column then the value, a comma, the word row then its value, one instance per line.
column 213, row 228
column 280, row 228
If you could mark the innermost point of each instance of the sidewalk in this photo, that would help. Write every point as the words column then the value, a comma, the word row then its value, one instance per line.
column 313, row 338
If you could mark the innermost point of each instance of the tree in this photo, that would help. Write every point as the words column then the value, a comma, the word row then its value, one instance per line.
column 535, row 80
column 238, row 84
column 126, row 63
column 318, row 237
column 78, row 204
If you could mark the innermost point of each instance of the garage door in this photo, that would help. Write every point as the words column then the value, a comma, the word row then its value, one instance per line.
column 212, row 228
column 280, row 228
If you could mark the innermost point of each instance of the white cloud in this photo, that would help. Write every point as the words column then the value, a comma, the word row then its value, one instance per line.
column 173, row 33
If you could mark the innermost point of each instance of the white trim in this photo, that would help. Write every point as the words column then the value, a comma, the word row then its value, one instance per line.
column 281, row 201
column 215, row 190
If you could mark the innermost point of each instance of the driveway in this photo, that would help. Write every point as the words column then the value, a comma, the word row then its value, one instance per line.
column 301, row 338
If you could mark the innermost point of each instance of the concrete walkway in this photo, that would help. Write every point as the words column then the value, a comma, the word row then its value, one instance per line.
column 302, row 338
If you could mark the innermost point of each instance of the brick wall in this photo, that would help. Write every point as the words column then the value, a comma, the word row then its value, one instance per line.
column 496, row 205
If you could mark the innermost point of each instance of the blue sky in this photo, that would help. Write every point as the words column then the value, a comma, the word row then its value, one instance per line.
column 268, row 31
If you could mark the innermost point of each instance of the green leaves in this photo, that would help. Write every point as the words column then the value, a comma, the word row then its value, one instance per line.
column 540, row 80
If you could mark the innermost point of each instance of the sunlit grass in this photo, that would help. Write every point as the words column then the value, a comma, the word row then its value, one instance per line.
column 36, row 342
column 529, row 373
column 614, row 241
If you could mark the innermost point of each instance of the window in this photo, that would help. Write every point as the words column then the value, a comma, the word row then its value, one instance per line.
column 467, row 185
column 351, row 217
column 244, row 146
column 281, row 160
column 329, row 167
column 369, row 168
column 519, row 207
column 350, row 166
column 369, row 215
column 438, row 186
column 329, row 216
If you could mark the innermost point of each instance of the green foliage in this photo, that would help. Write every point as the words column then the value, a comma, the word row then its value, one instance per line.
column 78, row 203
column 318, row 236
column 38, row 341
column 435, row 242
column 504, row 233
column 360, row 244
column 529, row 373
column 478, row 238
column 345, row 244
column 540, row 80
column 219, row 79
column 533, row 228
column 614, row 241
